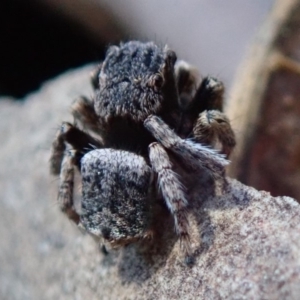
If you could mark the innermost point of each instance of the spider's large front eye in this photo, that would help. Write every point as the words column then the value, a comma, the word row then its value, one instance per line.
column 156, row 81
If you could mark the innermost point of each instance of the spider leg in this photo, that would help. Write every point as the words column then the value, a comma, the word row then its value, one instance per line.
column 213, row 127
column 193, row 154
column 57, row 153
column 63, row 161
column 172, row 191
column 187, row 80
column 78, row 139
column 83, row 111
column 209, row 96
column 66, row 184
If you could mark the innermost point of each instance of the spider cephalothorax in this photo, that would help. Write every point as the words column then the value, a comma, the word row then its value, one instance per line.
column 133, row 80
column 146, row 107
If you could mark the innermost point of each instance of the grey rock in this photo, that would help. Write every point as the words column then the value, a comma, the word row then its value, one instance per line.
column 246, row 243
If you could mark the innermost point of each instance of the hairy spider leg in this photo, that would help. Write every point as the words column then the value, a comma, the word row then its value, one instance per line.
column 69, row 146
column 193, row 154
column 213, row 127
column 66, row 185
column 172, row 191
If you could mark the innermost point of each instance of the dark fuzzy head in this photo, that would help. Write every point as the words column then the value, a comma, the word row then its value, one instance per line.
column 133, row 80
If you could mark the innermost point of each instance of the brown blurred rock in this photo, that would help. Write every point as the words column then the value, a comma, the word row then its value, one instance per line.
column 265, row 106
column 246, row 242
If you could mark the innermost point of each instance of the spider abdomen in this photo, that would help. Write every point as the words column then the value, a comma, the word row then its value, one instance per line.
column 116, row 201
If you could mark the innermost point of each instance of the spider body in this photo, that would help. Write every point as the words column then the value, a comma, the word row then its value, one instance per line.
column 145, row 107
column 136, row 80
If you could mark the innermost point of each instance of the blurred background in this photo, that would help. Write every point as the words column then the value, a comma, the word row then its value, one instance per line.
column 43, row 38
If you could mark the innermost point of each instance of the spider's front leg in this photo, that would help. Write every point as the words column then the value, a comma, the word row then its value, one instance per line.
column 209, row 95
column 203, row 110
column 213, row 128
column 193, row 101
column 187, row 81
column 172, row 191
column 195, row 155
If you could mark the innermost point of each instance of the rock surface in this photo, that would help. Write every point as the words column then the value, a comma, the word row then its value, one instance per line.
column 264, row 106
column 246, row 243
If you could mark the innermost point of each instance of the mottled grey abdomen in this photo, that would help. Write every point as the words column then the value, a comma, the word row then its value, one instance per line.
column 116, row 200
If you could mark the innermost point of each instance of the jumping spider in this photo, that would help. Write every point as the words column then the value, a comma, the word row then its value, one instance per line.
column 146, row 107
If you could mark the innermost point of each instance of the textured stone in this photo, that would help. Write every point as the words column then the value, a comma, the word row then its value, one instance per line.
column 246, row 242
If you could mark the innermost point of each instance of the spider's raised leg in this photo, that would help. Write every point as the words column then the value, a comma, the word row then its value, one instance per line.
column 197, row 95
column 172, row 191
column 209, row 96
column 203, row 109
column 193, row 154
column 187, row 81
column 212, row 128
